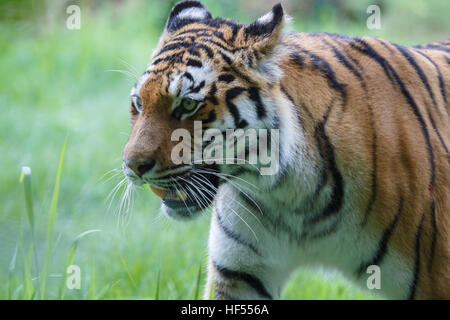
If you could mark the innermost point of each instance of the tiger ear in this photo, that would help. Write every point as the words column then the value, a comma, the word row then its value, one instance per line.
column 185, row 12
column 263, row 34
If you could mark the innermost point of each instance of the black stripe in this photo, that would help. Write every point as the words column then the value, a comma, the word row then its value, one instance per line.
column 323, row 233
column 168, row 77
column 212, row 94
column 355, row 61
column 229, row 96
column 435, row 47
column 173, row 46
column 434, row 234
column 440, row 78
column 196, row 31
column 433, row 124
column 250, row 56
column 254, row 95
column 218, row 44
column 226, row 78
column 178, row 23
column 251, row 280
column 342, row 60
column 231, row 68
column 194, row 52
column 219, row 22
column 211, row 34
column 415, row 279
column 379, row 255
column 419, row 71
column 157, row 71
column 323, row 169
column 370, row 52
column 194, row 63
column 297, row 109
column 384, row 44
column 329, row 73
column 298, row 59
column 176, row 57
column 242, row 124
column 232, row 235
column 337, row 197
column 189, row 46
column 234, row 33
column 205, row 48
column 373, row 195
column 226, row 58
column 188, row 76
column 211, row 117
column 197, row 88
column 183, row 38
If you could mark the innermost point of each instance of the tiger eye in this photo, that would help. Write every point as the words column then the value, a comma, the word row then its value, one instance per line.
column 139, row 101
column 189, row 104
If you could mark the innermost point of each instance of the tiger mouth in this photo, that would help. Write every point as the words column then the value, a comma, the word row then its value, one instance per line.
column 188, row 195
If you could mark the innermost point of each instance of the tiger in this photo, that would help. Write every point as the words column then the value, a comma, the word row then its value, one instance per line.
column 364, row 165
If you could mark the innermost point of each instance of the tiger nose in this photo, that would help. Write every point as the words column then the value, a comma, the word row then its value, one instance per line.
column 140, row 167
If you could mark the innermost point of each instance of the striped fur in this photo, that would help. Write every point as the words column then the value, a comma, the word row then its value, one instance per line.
column 364, row 151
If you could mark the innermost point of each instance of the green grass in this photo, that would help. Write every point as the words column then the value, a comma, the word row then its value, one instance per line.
column 55, row 85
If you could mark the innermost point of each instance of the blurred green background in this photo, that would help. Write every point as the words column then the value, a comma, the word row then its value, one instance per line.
column 56, row 82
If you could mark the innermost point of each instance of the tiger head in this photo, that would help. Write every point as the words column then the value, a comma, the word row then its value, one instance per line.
column 212, row 70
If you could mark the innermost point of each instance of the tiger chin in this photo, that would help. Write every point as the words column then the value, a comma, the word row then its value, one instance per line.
column 364, row 164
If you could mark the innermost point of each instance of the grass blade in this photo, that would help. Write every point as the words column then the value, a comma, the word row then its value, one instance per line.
column 25, row 177
column 91, row 292
column 197, row 284
column 124, row 263
column 158, row 281
column 11, row 271
column 51, row 223
column 105, row 290
column 211, row 292
column 27, row 278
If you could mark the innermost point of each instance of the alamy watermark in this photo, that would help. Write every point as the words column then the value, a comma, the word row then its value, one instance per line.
column 73, row 280
column 73, row 21
column 256, row 147
column 374, row 20
column 374, row 280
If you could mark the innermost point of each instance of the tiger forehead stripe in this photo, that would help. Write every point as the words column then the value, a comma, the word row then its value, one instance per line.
column 191, row 82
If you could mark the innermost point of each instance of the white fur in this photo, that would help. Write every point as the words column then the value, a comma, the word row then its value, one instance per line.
column 193, row 13
column 265, row 19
